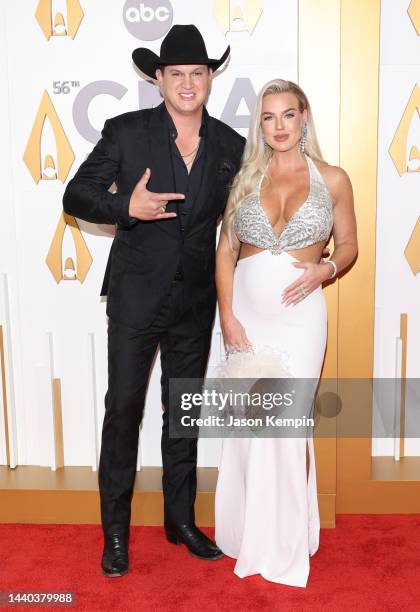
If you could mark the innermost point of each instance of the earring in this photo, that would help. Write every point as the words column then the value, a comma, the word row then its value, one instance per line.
column 303, row 137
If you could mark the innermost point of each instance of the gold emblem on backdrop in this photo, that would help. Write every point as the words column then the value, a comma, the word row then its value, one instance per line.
column 398, row 148
column 414, row 14
column 54, row 259
column 236, row 16
column 412, row 250
column 58, row 24
column 48, row 168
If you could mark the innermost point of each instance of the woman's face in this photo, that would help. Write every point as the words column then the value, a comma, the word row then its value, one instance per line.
column 281, row 121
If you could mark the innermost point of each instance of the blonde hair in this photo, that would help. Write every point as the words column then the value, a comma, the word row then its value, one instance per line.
column 257, row 153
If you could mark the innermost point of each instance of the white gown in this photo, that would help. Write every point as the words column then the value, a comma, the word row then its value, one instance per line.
column 266, row 508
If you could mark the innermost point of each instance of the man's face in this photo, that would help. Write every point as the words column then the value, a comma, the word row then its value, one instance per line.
column 185, row 88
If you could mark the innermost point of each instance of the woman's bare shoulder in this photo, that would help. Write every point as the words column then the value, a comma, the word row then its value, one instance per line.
column 335, row 177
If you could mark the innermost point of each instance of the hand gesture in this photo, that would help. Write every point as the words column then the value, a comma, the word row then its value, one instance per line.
column 146, row 205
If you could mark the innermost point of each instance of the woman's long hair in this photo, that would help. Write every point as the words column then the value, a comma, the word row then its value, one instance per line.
column 257, row 153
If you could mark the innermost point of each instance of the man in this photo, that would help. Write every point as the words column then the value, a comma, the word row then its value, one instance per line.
column 160, row 274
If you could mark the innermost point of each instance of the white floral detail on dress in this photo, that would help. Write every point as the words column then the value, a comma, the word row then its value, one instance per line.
column 263, row 362
column 258, row 372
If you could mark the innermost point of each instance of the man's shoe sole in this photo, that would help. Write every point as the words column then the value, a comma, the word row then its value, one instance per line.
column 115, row 575
column 206, row 558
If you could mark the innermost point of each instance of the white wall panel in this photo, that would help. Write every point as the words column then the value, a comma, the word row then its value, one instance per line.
column 397, row 289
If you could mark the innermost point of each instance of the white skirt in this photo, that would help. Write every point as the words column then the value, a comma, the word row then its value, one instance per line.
column 266, row 506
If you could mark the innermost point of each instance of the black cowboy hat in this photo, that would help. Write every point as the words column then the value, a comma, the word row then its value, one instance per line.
column 183, row 44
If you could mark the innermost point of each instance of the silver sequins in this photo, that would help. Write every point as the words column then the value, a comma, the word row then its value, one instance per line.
column 311, row 223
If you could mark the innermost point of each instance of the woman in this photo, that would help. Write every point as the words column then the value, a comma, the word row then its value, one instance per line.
column 284, row 203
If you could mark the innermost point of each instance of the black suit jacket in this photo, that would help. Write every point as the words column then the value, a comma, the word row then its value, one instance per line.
column 145, row 254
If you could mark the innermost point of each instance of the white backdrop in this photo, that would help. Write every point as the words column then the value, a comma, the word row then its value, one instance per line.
column 59, row 329
column 70, row 310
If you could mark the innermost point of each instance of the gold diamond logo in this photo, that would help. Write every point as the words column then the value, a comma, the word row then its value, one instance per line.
column 48, row 168
column 398, row 148
column 55, row 255
column 414, row 14
column 59, row 24
column 412, row 250
column 232, row 17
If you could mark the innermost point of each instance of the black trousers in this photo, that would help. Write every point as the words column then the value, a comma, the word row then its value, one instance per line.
column 184, row 353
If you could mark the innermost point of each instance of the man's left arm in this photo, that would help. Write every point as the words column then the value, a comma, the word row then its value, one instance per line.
column 87, row 196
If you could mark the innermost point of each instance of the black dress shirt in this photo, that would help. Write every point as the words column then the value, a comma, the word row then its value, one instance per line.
column 185, row 182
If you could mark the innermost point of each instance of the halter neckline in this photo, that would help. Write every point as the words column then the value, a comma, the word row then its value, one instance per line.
column 309, row 162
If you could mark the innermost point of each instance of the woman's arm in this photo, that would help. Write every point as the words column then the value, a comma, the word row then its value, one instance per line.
column 233, row 332
column 345, row 239
column 344, row 228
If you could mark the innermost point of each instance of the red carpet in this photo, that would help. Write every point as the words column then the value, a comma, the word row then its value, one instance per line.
column 368, row 562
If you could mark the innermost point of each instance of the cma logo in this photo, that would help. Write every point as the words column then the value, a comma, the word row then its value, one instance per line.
column 48, row 154
column 148, row 20
column 239, row 103
column 414, row 14
column 54, row 22
column 407, row 157
column 237, row 15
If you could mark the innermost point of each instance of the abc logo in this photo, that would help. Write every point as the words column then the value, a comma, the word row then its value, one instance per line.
column 148, row 20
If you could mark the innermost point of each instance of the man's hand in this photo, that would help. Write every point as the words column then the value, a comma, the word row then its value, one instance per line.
column 149, row 206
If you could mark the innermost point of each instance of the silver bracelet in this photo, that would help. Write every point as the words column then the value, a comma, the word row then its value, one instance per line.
column 334, row 265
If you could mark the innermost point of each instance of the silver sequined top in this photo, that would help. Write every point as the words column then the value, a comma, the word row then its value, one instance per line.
column 311, row 223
